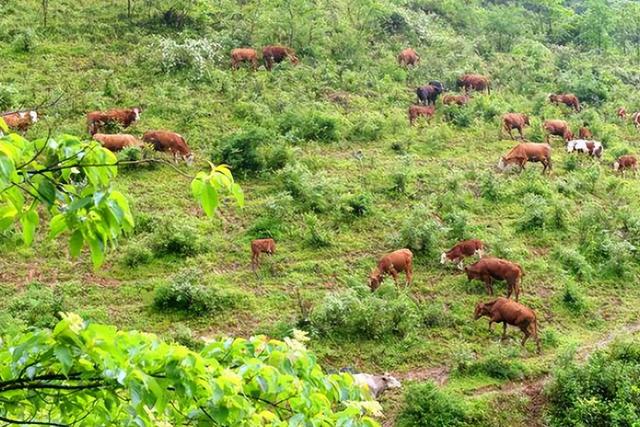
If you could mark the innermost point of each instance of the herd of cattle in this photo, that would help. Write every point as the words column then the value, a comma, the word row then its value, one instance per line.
column 485, row 269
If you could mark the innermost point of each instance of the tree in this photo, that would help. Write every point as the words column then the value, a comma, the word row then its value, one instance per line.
column 597, row 24
column 69, row 181
column 89, row 374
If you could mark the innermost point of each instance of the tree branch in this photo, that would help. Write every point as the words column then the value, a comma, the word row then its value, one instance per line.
column 36, row 423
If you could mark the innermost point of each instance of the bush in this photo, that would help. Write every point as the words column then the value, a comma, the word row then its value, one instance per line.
column 489, row 188
column 427, row 406
column 358, row 205
column 183, row 335
column 353, row 316
column 421, row 234
column 267, row 226
column 137, row 254
column 174, row 237
column 240, row 151
column 311, row 191
column 185, row 293
column 574, row 262
column 277, row 157
column 400, row 182
column 572, row 298
column 499, row 366
column 7, row 94
column 315, row 126
column 38, row 305
column 602, row 392
column 195, row 55
column 462, row 117
column 24, row 41
column 316, row 235
column 535, row 213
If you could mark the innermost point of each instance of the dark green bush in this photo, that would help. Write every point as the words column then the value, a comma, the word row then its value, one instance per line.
column 358, row 204
column 498, row 366
column 267, row 226
column 427, row 406
column 137, row 254
column 573, row 298
column 535, row 214
column 240, row 151
column 421, row 233
column 185, row 293
column 311, row 191
column 574, row 262
column 175, row 237
column 316, row 234
column 314, row 126
column 38, row 305
column 24, row 41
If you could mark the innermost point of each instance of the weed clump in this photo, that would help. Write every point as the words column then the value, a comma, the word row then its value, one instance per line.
column 185, row 293
column 38, row 305
column 427, row 406
column 177, row 238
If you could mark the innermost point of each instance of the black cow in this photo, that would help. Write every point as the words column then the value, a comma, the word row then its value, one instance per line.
column 427, row 95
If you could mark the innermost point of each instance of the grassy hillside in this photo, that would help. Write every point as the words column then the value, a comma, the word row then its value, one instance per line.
column 332, row 171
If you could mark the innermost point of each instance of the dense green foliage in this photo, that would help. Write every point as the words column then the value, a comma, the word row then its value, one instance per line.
column 334, row 173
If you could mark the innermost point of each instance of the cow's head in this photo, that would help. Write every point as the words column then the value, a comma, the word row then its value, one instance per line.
column 481, row 310
column 294, row 59
column 390, row 381
column 502, row 163
column 525, row 118
column 34, row 116
column 616, row 165
column 189, row 158
column 375, row 279
column 443, row 258
column 137, row 111
column 568, row 135
column 553, row 97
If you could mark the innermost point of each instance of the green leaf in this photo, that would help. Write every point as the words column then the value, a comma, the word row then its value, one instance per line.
column 97, row 251
column 209, row 199
column 64, row 357
column 75, row 243
column 3, row 126
column 57, row 225
column 29, row 223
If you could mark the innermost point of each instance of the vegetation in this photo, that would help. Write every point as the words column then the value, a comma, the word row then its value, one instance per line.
column 333, row 172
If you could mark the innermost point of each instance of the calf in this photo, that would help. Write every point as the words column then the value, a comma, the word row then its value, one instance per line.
column 622, row 113
column 512, row 121
column 505, row 311
column 488, row 269
column 117, row 142
column 408, row 57
column 462, row 250
column 584, row 133
column 592, row 148
column 96, row 120
column 171, row 142
column 258, row 247
column 527, row 152
column 427, row 95
column 393, row 263
column 474, row 82
column 416, row 111
column 21, row 120
column 569, row 99
column 557, row 128
column 277, row 54
column 626, row 162
column 460, row 100
column 376, row 384
column 244, row 55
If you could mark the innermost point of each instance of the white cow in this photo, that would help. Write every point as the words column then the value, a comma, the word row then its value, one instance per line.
column 592, row 148
column 377, row 384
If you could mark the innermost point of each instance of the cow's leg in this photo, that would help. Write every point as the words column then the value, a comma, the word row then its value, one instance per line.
column 504, row 331
column 510, row 132
column 460, row 265
column 525, row 331
column 254, row 261
column 394, row 274
column 409, row 274
column 488, row 285
column 521, row 133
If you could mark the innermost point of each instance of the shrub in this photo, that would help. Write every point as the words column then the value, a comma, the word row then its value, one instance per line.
column 267, row 226
column 315, row 126
column 311, row 191
column 182, row 334
column 489, row 188
column 459, row 116
column 137, row 254
column 369, row 127
column 195, row 55
column 352, row 316
column 316, row 236
column 185, row 293
column 421, row 234
column 400, row 182
column 7, row 94
column 175, row 237
column 277, row 156
column 535, row 214
column 24, row 41
column 427, row 406
column 457, row 225
column 358, row 204
column 572, row 298
column 498, row 366
column 602, row 392
column 38, row 305
column 240, row 151
column 574, row 262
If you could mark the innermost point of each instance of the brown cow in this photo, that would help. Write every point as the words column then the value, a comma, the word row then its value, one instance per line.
column 512, row 121
column 557, row 128
column 125, row 116
column 474, row 82
column 258, row 247
column 172, row 142
column 20, row 120
column 455, row 99
column 408, row 57
column 505, row 311
column 244, row 55
column 622, row 113
column 527, row 152
column 626, row 162
column 636, row 119
column 488, row 269
column 585, row 133
column 393, row 263
column 416, row 111
column 117, row 142
column 462, row 250
column 569, row 99
column 277, row 54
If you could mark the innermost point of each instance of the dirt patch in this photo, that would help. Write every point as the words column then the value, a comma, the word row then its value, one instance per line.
column 438, row 374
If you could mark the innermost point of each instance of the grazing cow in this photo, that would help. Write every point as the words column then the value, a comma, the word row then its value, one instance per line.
column 408, row 57
column 21, row 120
column 427, row 95
column 622, row 113
column 117, row 142
column 277, row 54
column 488, row 269
column 569, row 99
column 393, row 263
column 527, row 152
column 258, row 247
column 376, row 384
column 592, row 148
column 512, row 121
column 474, row 82
column 125, row 116
column 557, row 128
column 455, row 99
column 505, row 311
column 171, row 142
column 416, row 111
column 626, row 162
column 462, row 250
column 584, row 133
column 636, row 119
column 244, row 55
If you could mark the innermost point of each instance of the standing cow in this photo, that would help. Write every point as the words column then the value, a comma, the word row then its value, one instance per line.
column 505, row 311
column 512, row 121
column 626, row 162
column 557, row 128
column 392, row 264
column 475, row 82
column 244, row 55
column 260, row 246
column 276, row 54
column 489, row 269
column 96, row 120
column 416, row 111
column 408, row 57
column 592, row 148
column 427, row 95
column 527, row 152
column 171, row 142
column 462, row 250
column 117, row 142
column 569, row 99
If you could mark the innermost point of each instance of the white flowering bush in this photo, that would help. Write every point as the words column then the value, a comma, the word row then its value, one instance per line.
column 193, row 55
